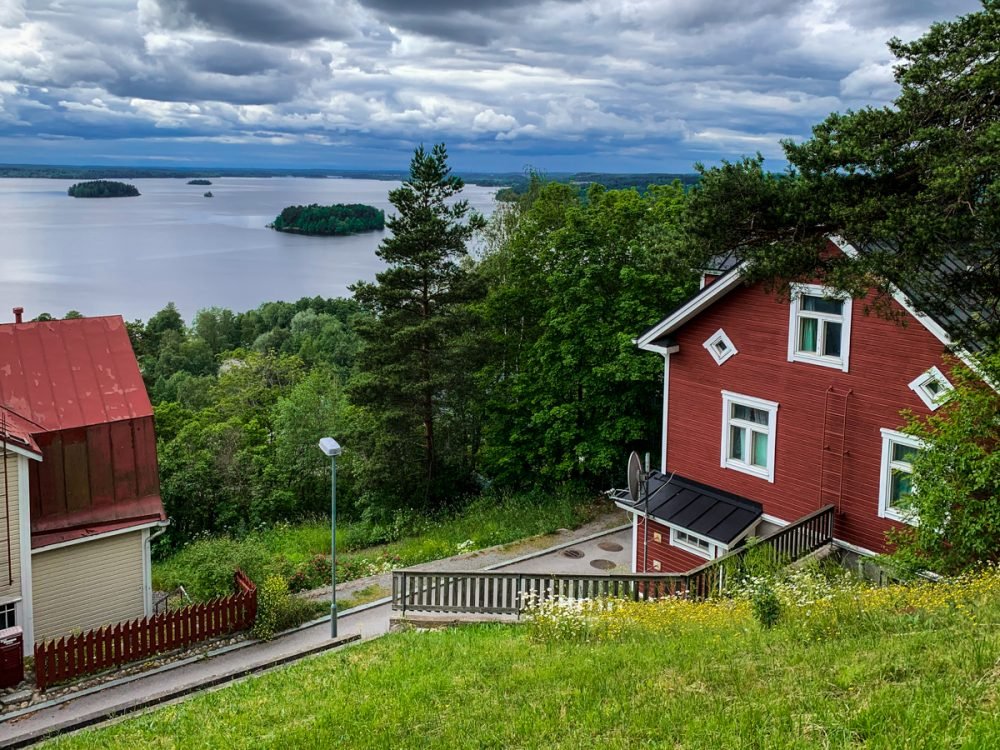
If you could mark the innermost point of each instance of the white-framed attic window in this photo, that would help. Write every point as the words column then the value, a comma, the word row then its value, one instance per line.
column 819, row 329
column 895, row 480
column 720, row 347
column 749, row 430
column 932, row 387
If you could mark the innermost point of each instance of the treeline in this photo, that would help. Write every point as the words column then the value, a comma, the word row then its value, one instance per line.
column 102, row 189
column 338, row 219
column 445, row 376
column 583, row 180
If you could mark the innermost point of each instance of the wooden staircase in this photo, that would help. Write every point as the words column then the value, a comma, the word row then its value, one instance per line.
column 834, row 453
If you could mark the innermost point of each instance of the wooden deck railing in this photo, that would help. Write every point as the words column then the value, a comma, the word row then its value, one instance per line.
column 99, row 649
column 505, row 593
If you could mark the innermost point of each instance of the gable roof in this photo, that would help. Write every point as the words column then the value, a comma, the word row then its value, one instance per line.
column 940, row 324
column 62, row 374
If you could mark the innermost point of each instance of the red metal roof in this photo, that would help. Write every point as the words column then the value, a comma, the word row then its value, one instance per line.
column 73, row 389
column 17, row 431
column 61, row 374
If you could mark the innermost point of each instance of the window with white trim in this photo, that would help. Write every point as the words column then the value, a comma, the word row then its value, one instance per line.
column 8, row 615
column 692, row 543
column 896, row 482
column 819, row 330
column 932, row 387
column 720, row 347
column 749, row 427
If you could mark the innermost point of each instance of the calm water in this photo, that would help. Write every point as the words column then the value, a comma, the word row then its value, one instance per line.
column 131, row 256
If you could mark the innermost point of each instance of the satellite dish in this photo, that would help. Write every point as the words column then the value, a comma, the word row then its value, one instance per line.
column 634, row 476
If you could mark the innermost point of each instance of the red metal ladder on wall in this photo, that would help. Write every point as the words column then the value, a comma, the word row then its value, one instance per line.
column 834, row 453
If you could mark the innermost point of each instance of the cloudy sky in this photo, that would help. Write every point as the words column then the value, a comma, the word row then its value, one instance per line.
column 562, row 85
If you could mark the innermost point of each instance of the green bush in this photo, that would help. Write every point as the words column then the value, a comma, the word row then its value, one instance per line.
column 766, row 606
column 278, row 609
column 205, row 568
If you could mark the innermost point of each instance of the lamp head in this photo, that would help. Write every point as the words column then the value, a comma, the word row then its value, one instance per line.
column 329, row 446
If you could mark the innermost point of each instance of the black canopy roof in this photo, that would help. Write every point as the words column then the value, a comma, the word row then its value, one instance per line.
column 706, row 511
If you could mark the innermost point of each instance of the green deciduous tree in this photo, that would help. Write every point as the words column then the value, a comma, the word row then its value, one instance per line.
column 413, row 363
column 571, row 282
column 957, row 479
column 917, row 184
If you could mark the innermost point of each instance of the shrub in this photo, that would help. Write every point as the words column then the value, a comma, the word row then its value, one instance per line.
column 205, row 568
column 278, row 610
column 766, row 607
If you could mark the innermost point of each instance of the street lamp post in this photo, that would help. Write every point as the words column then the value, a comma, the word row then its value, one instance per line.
column 331, row 448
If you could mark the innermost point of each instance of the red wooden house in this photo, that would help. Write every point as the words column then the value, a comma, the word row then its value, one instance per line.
column 79, row 488
column 775, row 408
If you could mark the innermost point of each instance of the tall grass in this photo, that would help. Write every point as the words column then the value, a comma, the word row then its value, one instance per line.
column 904, row 667
column 205, row 567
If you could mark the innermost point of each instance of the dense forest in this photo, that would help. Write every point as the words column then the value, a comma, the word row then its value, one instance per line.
column 102, row 189
column 199, row 181
column 338, row 219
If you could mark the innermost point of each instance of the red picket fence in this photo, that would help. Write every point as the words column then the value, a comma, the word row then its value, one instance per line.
column 111, row 646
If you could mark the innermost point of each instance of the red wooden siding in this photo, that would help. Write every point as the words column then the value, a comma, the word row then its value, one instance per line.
column 672, row 559
column 884, row 358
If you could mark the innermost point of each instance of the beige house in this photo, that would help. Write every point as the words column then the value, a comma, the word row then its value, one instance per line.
column 79, row 490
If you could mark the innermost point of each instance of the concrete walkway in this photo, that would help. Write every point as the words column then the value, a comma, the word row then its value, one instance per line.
column 18, row 729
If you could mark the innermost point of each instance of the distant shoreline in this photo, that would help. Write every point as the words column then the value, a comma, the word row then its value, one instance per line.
column 481, row 179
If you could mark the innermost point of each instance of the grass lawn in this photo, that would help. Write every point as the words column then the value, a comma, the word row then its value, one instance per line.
column 204, row 567
column 705, row 678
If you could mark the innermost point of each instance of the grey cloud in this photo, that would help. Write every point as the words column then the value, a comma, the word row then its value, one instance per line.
column 278, row 21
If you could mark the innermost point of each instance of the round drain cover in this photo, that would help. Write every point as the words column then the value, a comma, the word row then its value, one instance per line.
column 602, row 564
column 610, row 546
column 575, row 554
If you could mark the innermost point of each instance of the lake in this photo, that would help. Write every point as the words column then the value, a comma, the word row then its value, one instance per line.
column 131, row 256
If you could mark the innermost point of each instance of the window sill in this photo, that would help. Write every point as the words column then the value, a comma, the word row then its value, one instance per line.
column 753, row 471
column 835, row 363
column 893, row 515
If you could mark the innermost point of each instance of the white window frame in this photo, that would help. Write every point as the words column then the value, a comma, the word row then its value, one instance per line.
column 713, row 340
column 919, row 386
column 693, row 548
column 795, row 312
column 771, row 407
column 885, row 510
column 13, row 606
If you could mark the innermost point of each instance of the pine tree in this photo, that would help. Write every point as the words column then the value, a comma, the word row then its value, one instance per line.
column 412, row 370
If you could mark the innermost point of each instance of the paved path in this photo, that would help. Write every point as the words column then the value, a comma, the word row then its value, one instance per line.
column 365, row 622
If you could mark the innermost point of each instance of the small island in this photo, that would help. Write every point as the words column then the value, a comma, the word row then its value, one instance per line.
column 199, row 181
column 209, row 194
column 103, row 189
column 339, row 219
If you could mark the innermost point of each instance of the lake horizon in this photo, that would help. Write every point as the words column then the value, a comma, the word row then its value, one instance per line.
column 131, row 256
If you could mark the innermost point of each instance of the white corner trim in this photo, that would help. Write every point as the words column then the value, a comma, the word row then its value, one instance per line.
column 27, row 616
column 147, row 575
column 666, row 406
column 693, row 306
column 92, row 537
column 815, row 290
column 635, row 542
column 919, row 386
column 711, row 346
column 771, row 407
